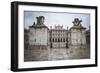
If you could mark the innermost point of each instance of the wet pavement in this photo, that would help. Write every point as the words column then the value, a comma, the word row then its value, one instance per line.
column 49, row 54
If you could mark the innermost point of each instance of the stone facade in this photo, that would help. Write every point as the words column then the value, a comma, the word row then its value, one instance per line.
column 58, row 37
column 56, row 43
column 38, row 33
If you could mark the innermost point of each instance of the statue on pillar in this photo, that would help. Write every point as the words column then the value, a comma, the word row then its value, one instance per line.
column 40, row 20
column 77, row 22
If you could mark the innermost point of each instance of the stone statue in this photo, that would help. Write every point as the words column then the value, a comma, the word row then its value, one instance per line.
column 40, row 20
column 77, row 22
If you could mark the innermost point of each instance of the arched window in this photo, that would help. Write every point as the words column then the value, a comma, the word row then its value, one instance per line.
column 58, row 40
column 53, row 39
column 63, row 39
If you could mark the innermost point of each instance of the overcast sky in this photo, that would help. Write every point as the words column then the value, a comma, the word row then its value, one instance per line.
column 55, row 18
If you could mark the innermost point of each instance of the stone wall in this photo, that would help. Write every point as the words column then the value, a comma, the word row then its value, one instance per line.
column 38, row 36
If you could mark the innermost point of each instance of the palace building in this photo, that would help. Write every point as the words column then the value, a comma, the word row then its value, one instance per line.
column 57, row 37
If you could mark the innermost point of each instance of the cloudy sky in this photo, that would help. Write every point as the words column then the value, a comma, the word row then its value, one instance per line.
column 55, row 18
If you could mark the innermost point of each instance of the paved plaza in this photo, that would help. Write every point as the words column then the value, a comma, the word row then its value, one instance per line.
column 46, row 54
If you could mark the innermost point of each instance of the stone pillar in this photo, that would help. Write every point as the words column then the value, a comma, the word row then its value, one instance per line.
column 77, row 34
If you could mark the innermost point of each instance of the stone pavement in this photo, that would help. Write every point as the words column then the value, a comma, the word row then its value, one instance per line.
column 56, row 54
column 65, row 54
